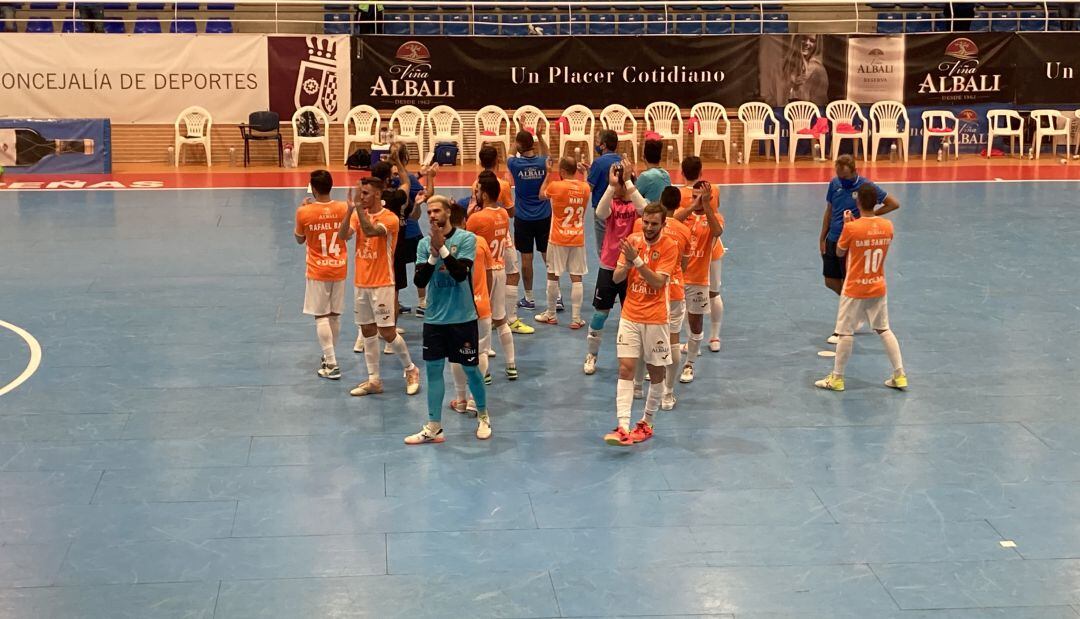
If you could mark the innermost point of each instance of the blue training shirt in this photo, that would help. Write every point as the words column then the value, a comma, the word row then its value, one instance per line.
column 529, row 173
column 598, row 175
column 449, row 302
column 412, row 228
column 651, row 183
column 842, row 196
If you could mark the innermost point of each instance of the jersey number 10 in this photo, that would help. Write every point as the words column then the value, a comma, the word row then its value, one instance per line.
column 872, row 260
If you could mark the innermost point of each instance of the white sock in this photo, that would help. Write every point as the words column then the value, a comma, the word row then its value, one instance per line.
column 594, row 341
column 371, row 356
column 693, row 346
column 484, row 346
column 401, row 349
column 577, row 295
column 892, row 349
column 326, row 339
column 506, row 338
column 511, row 304
column 639, row 374
column 335, row 327
column 624, row 399
column 529, row 295
column 459, row 380
column 672, row 371
column 652, row 401
column 843, row 353
column 716, row 316
column 552, row 295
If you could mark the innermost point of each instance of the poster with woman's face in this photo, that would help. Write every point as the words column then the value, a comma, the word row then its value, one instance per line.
column 792, row 68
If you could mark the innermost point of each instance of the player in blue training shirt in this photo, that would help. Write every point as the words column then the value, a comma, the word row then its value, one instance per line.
column 532, row 214
column 443, row 265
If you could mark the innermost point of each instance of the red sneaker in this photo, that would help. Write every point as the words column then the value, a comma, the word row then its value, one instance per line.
column 619, row 438
column 641, row 432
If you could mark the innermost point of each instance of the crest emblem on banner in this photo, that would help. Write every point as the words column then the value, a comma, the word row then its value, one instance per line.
column 316, row 78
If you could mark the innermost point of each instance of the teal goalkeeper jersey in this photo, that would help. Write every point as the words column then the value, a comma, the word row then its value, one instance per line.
column 448, row 301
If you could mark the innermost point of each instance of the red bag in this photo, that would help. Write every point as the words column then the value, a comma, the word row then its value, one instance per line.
column 694, row 125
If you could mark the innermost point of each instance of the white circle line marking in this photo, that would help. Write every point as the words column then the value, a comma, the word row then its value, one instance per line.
column 35, row 357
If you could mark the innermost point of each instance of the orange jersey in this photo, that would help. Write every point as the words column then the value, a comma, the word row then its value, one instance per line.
column 492, row 225
column 375, row 254
column 568, row 199
column 688, row 199
column 680, row 233
column 318, row 222
column 867, row 241
column 645, row 304
column 481, row 294
column 701, row 253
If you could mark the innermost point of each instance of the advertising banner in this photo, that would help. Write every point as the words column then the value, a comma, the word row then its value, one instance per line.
column 33, row 146
column 553, row 72
column 875, row 69
column 958, row 69
column 310, row 70
column 792, row 68
column 1047, row 65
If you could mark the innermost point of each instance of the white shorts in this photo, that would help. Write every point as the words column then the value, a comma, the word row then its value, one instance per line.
column 510, row 258
column 498, row 294
column 375, row 306
column 716, row 267
column 637, row 340
column 564, row 259
column 324, row 298
column 676, row 315
column 852, row 311
column 697, row 299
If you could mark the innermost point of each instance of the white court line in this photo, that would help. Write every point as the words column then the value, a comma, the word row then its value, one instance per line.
column 35, row 357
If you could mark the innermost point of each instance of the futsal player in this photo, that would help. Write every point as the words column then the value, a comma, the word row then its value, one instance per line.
column 864, row 244
column 532, row 214
column 691, row 169
column 566, row 245
column 481, row 285
column 706, row 225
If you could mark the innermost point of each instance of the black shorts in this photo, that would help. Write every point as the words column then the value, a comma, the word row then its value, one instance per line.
column 528, row 234
column 832, row 266
column 456, row 343
column 606, row 290
column 404, row 253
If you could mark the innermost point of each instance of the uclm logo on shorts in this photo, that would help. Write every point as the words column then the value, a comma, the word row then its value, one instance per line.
column 410, row 78
column 959, row 73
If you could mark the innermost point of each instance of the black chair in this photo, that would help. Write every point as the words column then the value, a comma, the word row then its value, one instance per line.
column 262, row 126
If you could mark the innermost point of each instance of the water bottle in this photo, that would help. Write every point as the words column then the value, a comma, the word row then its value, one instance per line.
column 892, row 153
column 738, row 155
column 383, row 134
column 817, row 151
column 232, row 156
column 289, row 162
column 1031, row 153
column 670, row 152
column 170, row 156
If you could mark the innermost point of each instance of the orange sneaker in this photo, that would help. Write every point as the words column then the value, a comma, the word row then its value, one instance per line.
column 641, row 432
column 619, row 438
column 577, row 323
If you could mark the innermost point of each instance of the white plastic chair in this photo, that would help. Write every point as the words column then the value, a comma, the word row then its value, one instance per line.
column 531, row 118
column 940, row 124
column 489, row 126
column 366, row 122
column 708, row 118
column 845, row 111
column 1051, row 124
column 441, row 121
column 801, row 116
column 616, row 117
column 885, row 117
column 410, row 127
column 192, row 127
column 324, row 132
column 754, row 116
column 581, row 121
column 1000, row 125
column 661, row 117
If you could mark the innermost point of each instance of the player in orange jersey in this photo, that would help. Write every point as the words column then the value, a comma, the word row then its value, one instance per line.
column 317, row 222
column 865, row 241
column 376, row 233
column 647, row 260
column 481, row 275
column 491, row 224
column 691, row 169
column 706, row 225
column 566, row 241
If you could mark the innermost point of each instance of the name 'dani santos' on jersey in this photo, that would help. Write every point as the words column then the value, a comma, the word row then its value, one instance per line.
column 629, row 75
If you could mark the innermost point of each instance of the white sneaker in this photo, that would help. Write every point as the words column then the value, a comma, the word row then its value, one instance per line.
column 833, row 339
column 388, row 350
column 590, row 364
column 491, row 352
column 331, row 372
column 470, row 407
column 687, row 375
column 358, row 347
column 714, row 344
column 639, row 391
column 400, row 331
column 668, row 401
column 483, row 426
column 425, row 435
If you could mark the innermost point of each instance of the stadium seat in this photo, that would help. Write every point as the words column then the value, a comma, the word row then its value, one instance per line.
column 1032, row 21
column 183, row 25
column 890, row 23
column 333, row 23
column 72, row 25
column 397, row 23
column 630, row 23
column 219, row 6
column 981, row 23
column 573, row 24
column 427, row 24
column 455, row 24
column 147, row 25
column 335, row 7
column 122, row 6
column 114, row 25
column 545, row 22
column 44, row 6
column 882, row 7
column 150, row 6
column 685, row 7
column 747, row 23
column 1003, row 21
column 601, row 23
column 39, row 25
column 219, row 25
column 718, row 23
column 655, row 23
column 775, row 23
column 515, row 24
column 688, row 23
column 187, row 6
column 920, row 22
column 486, row 25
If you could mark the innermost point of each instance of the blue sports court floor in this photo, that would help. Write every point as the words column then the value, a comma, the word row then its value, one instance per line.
column 175, row 455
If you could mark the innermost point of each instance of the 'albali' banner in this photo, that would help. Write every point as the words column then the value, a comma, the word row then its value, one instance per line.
column 140, row 79
column 1046, row 67
column 309, row 70
column 958, row 69
column 553, row 72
